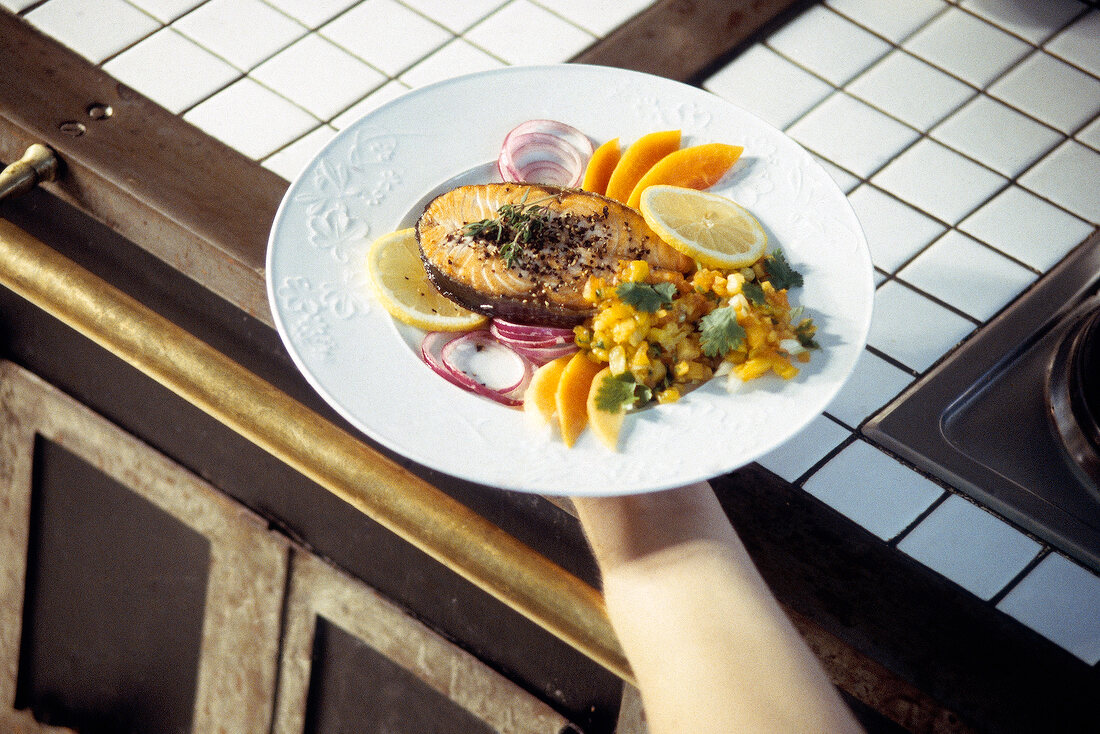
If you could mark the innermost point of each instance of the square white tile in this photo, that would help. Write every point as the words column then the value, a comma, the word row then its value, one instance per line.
column 218, row 24
column 828, row 44
column 968, row 47
column 16, row 6
column 852, row 134
column 312, row 13
column 1090, row 134
column 319, row 76
column 769, row 86
column 166, row 10
column 892, row 19
column 1020, row 224
column 390, row 90
column 386, row 34
column 873, row 383
column 844, row 180
column 795, row 457
column 454, row 58
column 895, row 231
column 911, row 90
column 193, row 74
column 939, row 181
column 598, row 17
column 251, row 118
column 289, row 161
column 552, row 38
column 966, row 274
column 1059, row 600
column 997, row 135
column 1070, row 177
column 872, row 489
column 970, row 546
column 95, row 29
column 1078, row 44
column 1051, row 90
column 1032, row 21
column 912, row 328
column 456, row 17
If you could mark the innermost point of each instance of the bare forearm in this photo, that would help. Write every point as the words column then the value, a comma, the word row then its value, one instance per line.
column 709, row 645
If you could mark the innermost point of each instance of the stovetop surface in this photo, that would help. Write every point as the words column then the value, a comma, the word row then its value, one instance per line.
column 979, row 420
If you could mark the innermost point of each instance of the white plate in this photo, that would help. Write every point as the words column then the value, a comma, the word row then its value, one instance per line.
column 374, row 177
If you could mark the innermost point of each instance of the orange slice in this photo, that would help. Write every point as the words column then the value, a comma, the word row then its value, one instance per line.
column 540, row 397
column 571, row 398
column 600, row 165
column 642, row 154
column 697, row 167
column 604, row 424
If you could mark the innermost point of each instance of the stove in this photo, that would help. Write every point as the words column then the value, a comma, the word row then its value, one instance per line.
column 1008, row 418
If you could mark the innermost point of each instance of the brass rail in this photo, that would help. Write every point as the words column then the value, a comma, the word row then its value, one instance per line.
column 412, row 508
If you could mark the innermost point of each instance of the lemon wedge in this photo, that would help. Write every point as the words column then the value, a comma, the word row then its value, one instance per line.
column 712, row 229
column 402, row 286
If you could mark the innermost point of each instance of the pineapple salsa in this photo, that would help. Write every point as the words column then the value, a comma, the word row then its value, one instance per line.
column 660, row 332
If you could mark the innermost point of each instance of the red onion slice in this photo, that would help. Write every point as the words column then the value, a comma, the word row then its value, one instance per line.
column 431, row 351
column 541, row 355
column 529, row 332
column 530, row 340
column 545, row 151
column 474, row 362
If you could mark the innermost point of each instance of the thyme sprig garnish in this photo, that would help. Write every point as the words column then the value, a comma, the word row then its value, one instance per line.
column 515, row 225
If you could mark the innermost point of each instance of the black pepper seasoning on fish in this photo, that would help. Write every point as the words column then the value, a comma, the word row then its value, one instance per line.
column 476, row 252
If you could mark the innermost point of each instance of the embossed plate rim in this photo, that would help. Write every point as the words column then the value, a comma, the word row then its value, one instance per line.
column 363, row 183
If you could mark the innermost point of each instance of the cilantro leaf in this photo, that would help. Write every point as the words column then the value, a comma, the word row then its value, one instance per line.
column 645, row 297
column 780, row 272
column 754, row 292
column 805, row 332
column 619, row 392
column 720, row 332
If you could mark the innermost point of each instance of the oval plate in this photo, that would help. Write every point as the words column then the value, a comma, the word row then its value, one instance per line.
column 374, row 177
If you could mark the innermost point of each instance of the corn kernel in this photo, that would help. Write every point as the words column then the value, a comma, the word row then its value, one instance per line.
column 622, row 330
column 592, row 288
column 637, row 271
column 616, row 359
column 671, row 395
column 752, row 369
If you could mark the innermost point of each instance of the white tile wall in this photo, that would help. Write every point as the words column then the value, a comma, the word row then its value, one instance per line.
column 911, row 90
column 989, row 176
column 970, row 546
column 962, row 272
column 193, row 75
column 913, row 329
column 96, row 29
column 873, row 489
column 965, row 133
column 1059, row 600
column 967, row 47
column 298, row 65
column 1021, row 140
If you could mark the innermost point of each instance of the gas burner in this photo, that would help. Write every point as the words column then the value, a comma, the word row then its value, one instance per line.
column 1073, row 393
column 980, row 420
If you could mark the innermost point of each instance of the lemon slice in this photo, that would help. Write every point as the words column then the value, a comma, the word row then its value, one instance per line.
column 712, row 229
column 402, row 286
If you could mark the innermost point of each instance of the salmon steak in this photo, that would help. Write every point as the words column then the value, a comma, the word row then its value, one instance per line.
column 523, row 252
